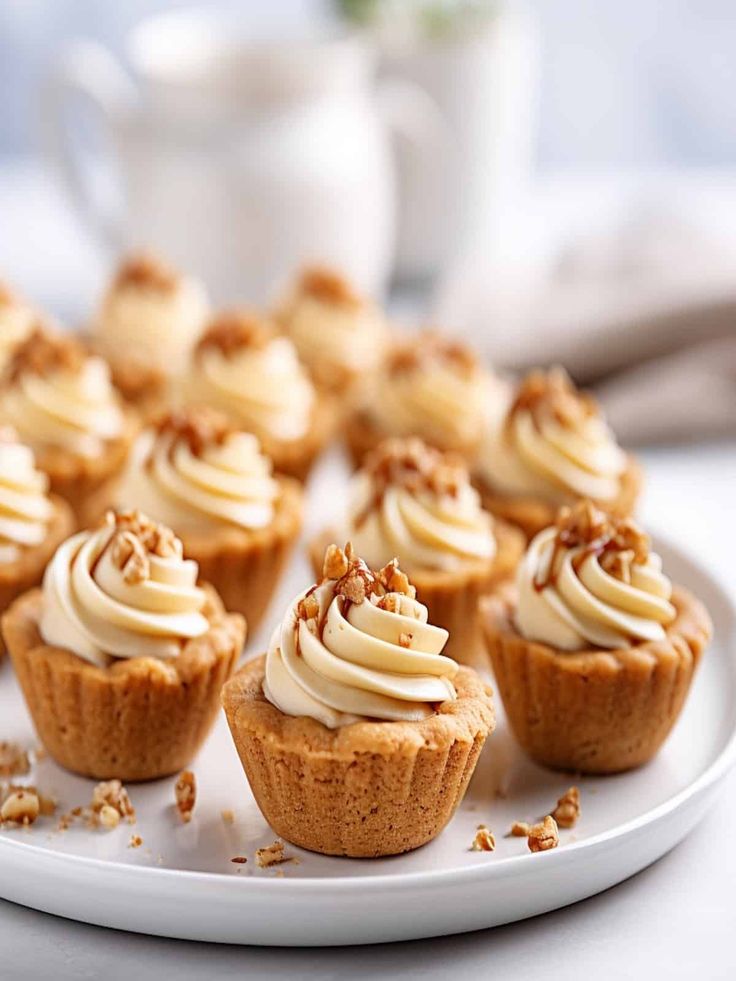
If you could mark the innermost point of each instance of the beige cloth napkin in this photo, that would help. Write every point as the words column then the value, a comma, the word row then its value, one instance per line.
column 643, row 310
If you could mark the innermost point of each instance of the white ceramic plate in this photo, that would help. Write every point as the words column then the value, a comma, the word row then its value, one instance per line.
column 181, row 882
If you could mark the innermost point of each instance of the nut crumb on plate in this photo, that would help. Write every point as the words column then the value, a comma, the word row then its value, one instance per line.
column 21, row 806
column 14, row 761
column 185, row 792
column 271, row 855
column 483, row 841
column 228, row 816
column 567, row 812
column 135, row 841
column 239, row 860
column 520, row 829
column 543, row 836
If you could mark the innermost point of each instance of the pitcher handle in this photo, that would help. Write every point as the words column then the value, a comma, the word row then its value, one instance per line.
column 86, row 73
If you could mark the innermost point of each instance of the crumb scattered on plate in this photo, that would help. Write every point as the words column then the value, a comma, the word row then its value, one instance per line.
column 271, row 855
column 483, row 841
column 185, row 792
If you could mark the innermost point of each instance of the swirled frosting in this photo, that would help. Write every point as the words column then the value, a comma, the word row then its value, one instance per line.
column 358, row 646
column 25, row 507
column 592, row 581
column 196, row 471
column 553, row 444
column 436, row 389
column 55, row 394
column 337, row 333
column 414, row 502
column 151, row 314
column 17, row 320
column 120, row 591
column 242, row 367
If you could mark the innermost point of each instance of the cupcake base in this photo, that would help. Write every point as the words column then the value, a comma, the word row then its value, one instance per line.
column 137, row 719
column 365, row 790
column 453, row 598
column 363, row 435
column 595, row 711
column 532, row 514
column 296, row 458
column 26, row 572
column 245, row 566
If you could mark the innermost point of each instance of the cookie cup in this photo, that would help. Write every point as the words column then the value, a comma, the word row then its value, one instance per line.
column 27, row 571
column 453, row 598
column 362, row 435
column 296, row 457
column 138, row 719
column 88, row 484
column 364, row 790
column 532, row 514
column 595, row 711
column 244, row 566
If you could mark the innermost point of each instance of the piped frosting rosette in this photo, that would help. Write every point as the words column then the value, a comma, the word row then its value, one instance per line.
column 412, row 501
column 122, row 590
column 592, row 581
column 197, row 470
column 243, row 368
column 25, row 508
column 358, row 646
column 554, row 444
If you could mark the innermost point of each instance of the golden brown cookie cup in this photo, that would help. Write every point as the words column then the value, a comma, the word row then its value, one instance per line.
column 88, row 484
column 364, row 790
column 138, row 719
column 27, row 571
column 452, row 598
column 362, row 435
column 533, row 515
column 595, row 711
column 296, row 458
column 244, row 566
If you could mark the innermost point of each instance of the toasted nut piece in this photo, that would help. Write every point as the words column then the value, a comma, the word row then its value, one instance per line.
column 567, row 811
column 185, row 792
column 135, row 841
column 109, row 817
column 14, row 760
column 520, row 829
column 335, row 563
column 543, row 836
column 21, row 806
column 271, row 855
column 483, row 841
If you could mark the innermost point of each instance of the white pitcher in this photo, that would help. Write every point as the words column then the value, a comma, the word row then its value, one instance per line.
column 239, row 159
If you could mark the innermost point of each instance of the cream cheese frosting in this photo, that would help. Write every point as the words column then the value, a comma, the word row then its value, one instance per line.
column 436, row 389
column 337, row 333
column 553, row 444
column 151, row 314
column 122, row 590
column 17, row 321
column 57, row 395
column 243, row 368
column 358, row 646
column 411, row 501
column 592, row 581
column 196, row 471
column 25, row 508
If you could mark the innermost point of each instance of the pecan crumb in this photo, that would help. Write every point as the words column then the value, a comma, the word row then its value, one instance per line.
column 239, row 860
column 21, row 806
column 109, row 817
column 271, row 855
column 233, row 330
column 620, row 542
column 112, row 793
column 43, row 353
column 412, row 464
column 520, row 829
column 199, row 426
column 567, row 812
column 129, row 555
column 428, row 349
column 543, row 836
column 14, row 761
column 326, row 284
column 335, row 563
column 553, row 393
column 228, row 816
column 148, row 271
column 135, row 841
column 405, row 639
column 185, row 792
column 483, row 841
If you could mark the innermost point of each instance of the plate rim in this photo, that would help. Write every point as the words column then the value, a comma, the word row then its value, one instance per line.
column 715, row 772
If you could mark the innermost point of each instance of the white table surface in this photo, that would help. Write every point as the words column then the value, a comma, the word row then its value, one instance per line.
column 674, row 920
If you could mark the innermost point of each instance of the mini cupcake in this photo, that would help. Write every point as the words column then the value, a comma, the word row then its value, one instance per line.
column 17, row 321
column 357, row 735
column 595, row 659
column 32, row 521
column 198, row 474
column 414, row 503
column 429, row 387
column 242, row 367
column 148, row 323
column 339, row 334
column 62, row 403
column 120, row 655
column 553, row 447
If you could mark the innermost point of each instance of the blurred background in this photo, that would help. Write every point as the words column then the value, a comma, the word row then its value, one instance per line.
column 553, row 179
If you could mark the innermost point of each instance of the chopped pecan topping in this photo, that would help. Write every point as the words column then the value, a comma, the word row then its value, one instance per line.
column 233, row 330
column 239, row 860
column 135, row 532
column 329, row 286
column 14, row 761
column 553, row 392
column 567, row 812
column 430, row 348
column 43, row 353
column 199, row 426
column 147, row 271
column 483, row 841
column 394, row 580
column 129, row 555
column 185, row 792
column 620, row 542
column 543, row 836
column 335, row 564
column 411, row 464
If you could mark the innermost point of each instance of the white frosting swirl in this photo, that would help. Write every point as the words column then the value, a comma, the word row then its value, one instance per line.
column 25, row 507
column 91, row 608
column 556, row 448
column 226, row 482
column 568, row 600
column 423, row 524
column 354, row 666
column 264, row 388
